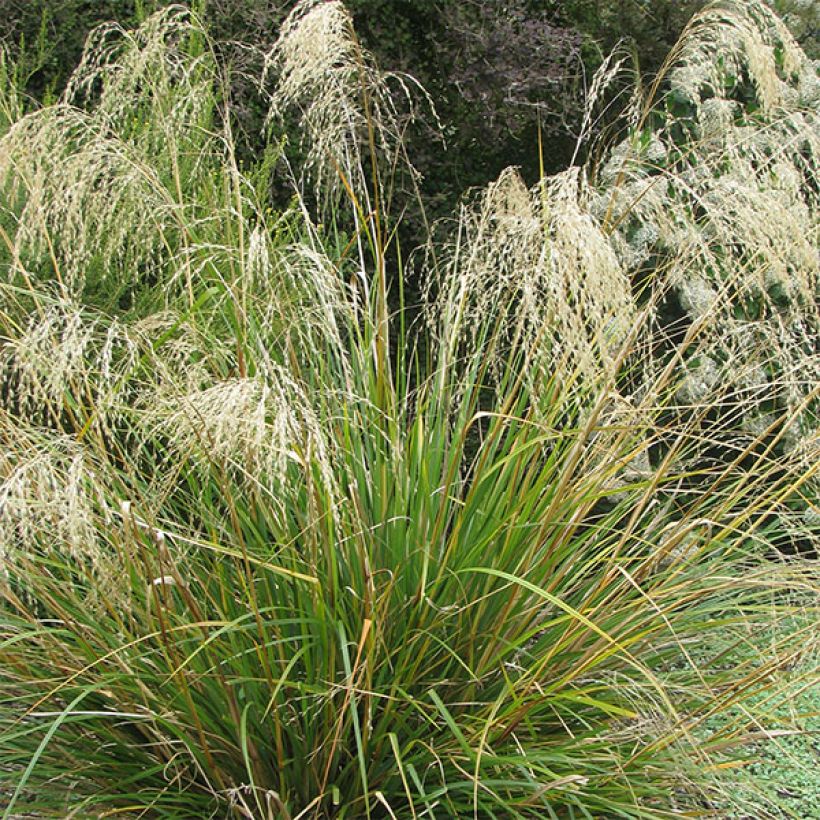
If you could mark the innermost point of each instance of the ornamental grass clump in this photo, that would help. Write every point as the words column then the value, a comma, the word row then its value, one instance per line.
column 260, row 562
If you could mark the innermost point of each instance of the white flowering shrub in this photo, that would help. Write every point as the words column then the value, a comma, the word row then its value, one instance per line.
column 712, row 204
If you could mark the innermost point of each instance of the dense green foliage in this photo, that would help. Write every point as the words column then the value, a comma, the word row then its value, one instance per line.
column 491, row 67
column 497, row 72
column 274, row 545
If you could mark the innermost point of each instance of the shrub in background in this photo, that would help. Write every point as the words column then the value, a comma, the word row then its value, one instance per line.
column 710, row 200
column 491, row 67
column 50, row 36
column 803, row 20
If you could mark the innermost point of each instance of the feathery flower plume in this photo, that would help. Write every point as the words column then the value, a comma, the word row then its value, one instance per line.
column 81, row 183
column 347, row 114
column 50, row 502
column 256, row 428
column 537, row 262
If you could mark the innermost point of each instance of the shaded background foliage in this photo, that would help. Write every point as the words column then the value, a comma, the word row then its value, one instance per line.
column 495, row 69
column 492, row 68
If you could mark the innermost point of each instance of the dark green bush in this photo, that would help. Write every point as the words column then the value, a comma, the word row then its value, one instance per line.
column 491, row 67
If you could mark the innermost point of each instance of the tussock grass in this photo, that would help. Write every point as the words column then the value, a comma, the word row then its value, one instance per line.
column 255, row 564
